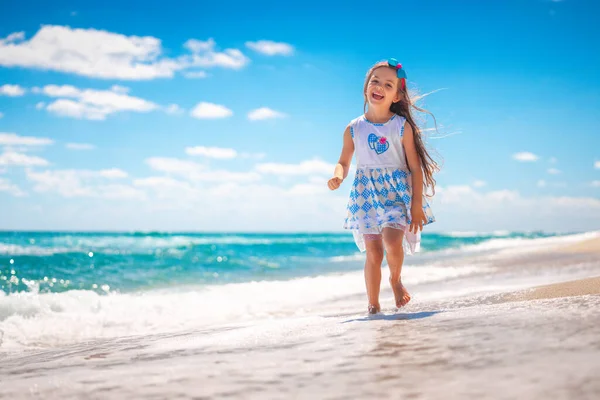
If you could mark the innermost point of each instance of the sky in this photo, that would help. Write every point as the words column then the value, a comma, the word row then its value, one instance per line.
column 228, row 116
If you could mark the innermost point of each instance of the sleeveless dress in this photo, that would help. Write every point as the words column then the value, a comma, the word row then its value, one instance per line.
column 381, row 194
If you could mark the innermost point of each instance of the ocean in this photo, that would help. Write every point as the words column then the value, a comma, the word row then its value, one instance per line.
column 103, row 263
column 63, row 287
column 190, row 315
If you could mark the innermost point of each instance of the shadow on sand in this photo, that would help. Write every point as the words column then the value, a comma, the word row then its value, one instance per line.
column 395, row 317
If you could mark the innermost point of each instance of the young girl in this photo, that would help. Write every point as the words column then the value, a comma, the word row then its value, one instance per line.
column 387, row 208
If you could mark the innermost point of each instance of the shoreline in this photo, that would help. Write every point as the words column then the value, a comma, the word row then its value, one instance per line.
column 516, row 326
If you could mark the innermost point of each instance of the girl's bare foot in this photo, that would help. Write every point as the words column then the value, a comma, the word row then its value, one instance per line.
column 374, row 308
column 401, row 295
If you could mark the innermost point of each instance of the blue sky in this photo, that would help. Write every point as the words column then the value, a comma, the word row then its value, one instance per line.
column 193, row 116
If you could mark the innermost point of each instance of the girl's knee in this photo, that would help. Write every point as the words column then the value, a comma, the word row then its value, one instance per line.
column 375, row 254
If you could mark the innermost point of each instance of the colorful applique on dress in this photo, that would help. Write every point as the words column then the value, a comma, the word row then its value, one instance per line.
column 381, row 194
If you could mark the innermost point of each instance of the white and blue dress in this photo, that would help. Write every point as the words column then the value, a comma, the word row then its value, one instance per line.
column 381, row 194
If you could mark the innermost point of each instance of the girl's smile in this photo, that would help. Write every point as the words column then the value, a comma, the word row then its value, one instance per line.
column 382, row 88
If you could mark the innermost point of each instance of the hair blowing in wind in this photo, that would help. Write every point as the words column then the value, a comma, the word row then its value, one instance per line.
column 404, row 108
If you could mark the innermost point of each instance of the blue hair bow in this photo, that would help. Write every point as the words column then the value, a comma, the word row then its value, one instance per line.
column 392, row 62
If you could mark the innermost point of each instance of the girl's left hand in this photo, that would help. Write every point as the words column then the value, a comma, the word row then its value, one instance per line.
column 418, row 219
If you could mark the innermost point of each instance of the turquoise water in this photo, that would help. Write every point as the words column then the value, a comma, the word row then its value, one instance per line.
column 133, row 262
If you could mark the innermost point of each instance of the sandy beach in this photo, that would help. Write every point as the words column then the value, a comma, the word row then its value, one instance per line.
column 513, row 322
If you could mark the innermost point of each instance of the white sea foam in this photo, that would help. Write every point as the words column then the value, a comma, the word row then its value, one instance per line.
column 30, row 319
column 16, row 250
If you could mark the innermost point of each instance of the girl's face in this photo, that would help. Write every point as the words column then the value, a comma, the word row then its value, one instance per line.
column 382, row 88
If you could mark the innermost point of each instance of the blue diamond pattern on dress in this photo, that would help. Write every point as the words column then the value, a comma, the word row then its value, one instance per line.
column 383, row 192
column 366, row 207
column 354, row 208
column 364, row 180
column 366, row 193
column 354, row 194
column 380, row 180
column 406, row 199
column 402, row 187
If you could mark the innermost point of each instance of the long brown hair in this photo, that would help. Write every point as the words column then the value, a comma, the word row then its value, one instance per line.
column 404, row 109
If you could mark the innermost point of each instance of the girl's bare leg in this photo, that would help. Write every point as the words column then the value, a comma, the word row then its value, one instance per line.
column 392, row 239
column 374, row 247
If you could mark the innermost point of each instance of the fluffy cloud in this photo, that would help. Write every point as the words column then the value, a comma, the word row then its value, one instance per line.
column 553, row 171
column 525, row 156
column 597, row 165
column 595, row 184
column 479, row 184
column 210, row 111
column 11, row 188
column 264, row 113
column 204, row 55
column 101, row 54
column 196, row 172
column 12, row 90
column 83, row 183
column 12, row 139
column 472, row 209
column 271, row 48
column 12, row 158
column 80, row 146
column 92, row 104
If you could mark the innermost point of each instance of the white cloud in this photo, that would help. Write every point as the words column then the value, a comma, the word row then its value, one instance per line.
column 597, row 165
column 525, row 156
column 112, row 173
column 83, row 183
column 541, row 183
column 101, row 54
column 12, row 90
column 174, row 165
column 210, row 111
column 264, row 113
column 12, row 139
column 11, row 188
column 119, row 89
column 211, row 152
column 308, row 167
column 195, row 74
column 168, row 188
column 271, row 48
column 14, row 37
column 196, row 172
column 479, row 183
column 553, row 171
column 204, row 55
column 595, row 184
column 93, row 104
column 21, row 160
column 40, row 105
column 80, row 146
column 507, row 209
column 173, row 109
